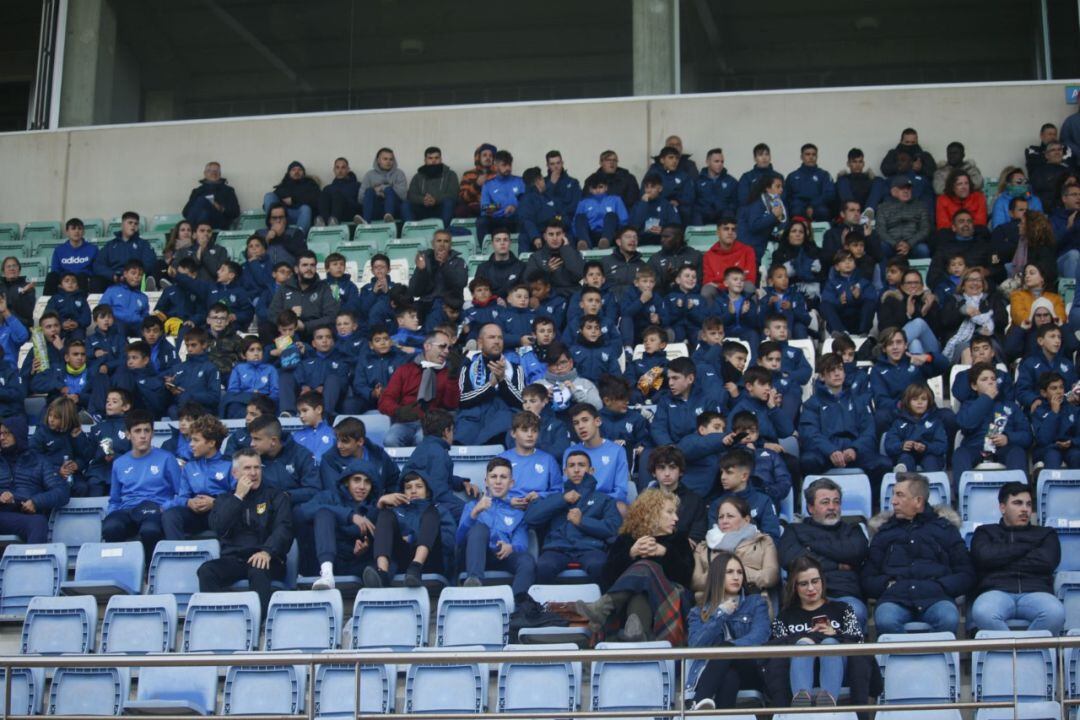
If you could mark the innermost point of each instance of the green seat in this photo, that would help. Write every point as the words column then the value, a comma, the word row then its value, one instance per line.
column 46, row 247
column 464, row 244
column 475, row 261
column 165, row 222
column 1067, row 288
column 9, row 232
column 465, row 223
column 358, row 252
column 37, row 232
column 156, row 240
column 35, row 268
column 235, row 242
column 421, row 228
column 251, row 220
column 334, row 235
column 700, row 237
column 595, row 254
column 920, row 264
column 93, row 228
column 404, row 249
column 321, row 246
column 486, row 248
column 647, row 251
column 382, row 233
column 819, row 229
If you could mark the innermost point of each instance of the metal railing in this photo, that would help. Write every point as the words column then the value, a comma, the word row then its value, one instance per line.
column 450, row 656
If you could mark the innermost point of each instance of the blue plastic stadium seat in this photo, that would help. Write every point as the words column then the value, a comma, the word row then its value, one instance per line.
column 1067, row 589
column 89, row 691
column 175, row 691
column 1068, row 532
column 940, row 488
column 375, row 425
column 883, row 714
column 787, row 507
column 396, row 618
column 858, row 498
column 57, row 625
column 632, row 685
column 77, row 522
column 304, row 620
column 27, row 691
column 992, row 671
column 978, row 493
column 1058, row 494
column 27, row 571
column 265, row 690
column 816, row 716
column 107, row 569
column 540, row 686
column 470, row 461
column 474, row 616
column 139, row 624
column 559, row 593
column 292, row 567
column 222, row 622
column 938, row 672
column 1042, row 710
column 436, row 689
column 335, row 690
column 174, row 567
column 1072, row 664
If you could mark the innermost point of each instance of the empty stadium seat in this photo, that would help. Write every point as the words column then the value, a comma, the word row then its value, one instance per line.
column 559, row 593
column 390, row 617
column 376, row 425
column 106, row 569
column 381, row 232
column 1058, row 495
column 89, row 691
column 234, row 243
column 335, row 690
column 222, row 622
column 474, row 616
column 539, row 686
column 77, row 522
column 1068, row 534
column 139, row 624
column 787, row 506
column 632, row 684
column 436, row 689
column 470, row 461
column 175, row 691
column 174, row 567
column 304, row 620
column 27, row 691
column 264, row 690
column 1067, row 589
column 940, row 488
column 1043, row 710
column 858, row 497
column 27, row 571
column 992, row 671
column 58, row 625
column 938, row 672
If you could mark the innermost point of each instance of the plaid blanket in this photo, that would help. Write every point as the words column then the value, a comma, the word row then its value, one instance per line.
column 666, row 599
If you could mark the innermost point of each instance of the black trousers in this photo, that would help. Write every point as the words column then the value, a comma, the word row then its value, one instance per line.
column 219, row 575
column 722, row 679
column 389, row 542
column 180, row 523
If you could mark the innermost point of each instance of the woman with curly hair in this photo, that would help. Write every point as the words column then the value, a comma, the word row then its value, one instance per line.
column 960, row 195
column 647, row 568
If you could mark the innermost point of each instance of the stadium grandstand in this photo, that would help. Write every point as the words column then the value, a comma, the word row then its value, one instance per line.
column 630, row 367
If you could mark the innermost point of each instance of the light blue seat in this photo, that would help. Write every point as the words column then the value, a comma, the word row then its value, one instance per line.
column 396, row 618
column 89, row 691
column 436, row 689
column 174, row 567
column 816, row 716
column 107, row 569
column 918, row 715
column 376, row 425
column 474, row 616
column 858, row 498
column 27, row 691
column 292, row 568
column 540, row 686
column 1069, row 537
column 938, row 672
column 264, row 690
column 76, row 523
column 559, row 593
column 222, row 622
column 304, row 620
column 978, row 494
column 632, row 684
column 58, row 625
column 1072, row 663
column 992, row 671
column 1043, row 710
column 470, row 461
column 175, row 691
column 940, row 488
column 27, row 571
column 1058, row 494
column 137, row 624
column 787, row 506
column 1067, row 589
column 335, row 690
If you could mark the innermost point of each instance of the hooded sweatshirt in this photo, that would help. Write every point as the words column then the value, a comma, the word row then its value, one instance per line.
column 26, row 475
column 439, row 181
column 304, row 191
column 376, row 178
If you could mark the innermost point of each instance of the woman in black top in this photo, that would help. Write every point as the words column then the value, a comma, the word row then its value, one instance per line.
column 647, row 569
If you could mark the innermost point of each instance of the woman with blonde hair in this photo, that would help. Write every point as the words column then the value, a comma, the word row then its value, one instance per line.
column 1012, row 183
column 647, row 568
column 735, row 533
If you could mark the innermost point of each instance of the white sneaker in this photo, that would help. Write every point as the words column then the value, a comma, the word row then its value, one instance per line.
column 359, row 220
column 705, row 704
column 326, row 578
column 900, row 468
column 319, row 222
column 388, row 218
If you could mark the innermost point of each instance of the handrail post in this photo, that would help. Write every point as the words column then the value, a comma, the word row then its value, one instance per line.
column 1016, row 692
column 680, row 693
column 7, row 690
column 311, row 691
column 356, row 691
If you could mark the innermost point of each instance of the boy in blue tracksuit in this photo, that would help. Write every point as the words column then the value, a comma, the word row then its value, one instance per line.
column 536, row 473
column 769, row 357
column 348, row 338
column 599, row 215
column 618, row 422
column 323, row 368
column 431, row 458
column 59, row 441
column 147, row 388
column 554, row 431
column 683, row 309
column 341, row 283
column 782, row 299
column 257, row 268
column 176, row 302
column 809, row 191
column 142, row 484
column 351, row 450
column 74, row 255
column 1054, row 424
column 702, row 451
column 763, row 401
column 374, row 303
column 111, row 261
column 771, row 474
column 196, row 379
column 287, row 465
column 485, row 307
column 578, row 304
column 848, row 300
column 994, row 429
column 129, row 304
column 640, row 306
column 1048, row 358
column 678, row 185
column 73, row 307
column 594, row 355
column 687, row 397
column 607, row 459
column 280, row 275
column 227, row 290
column 205, row 476
column 982, row 351
column 253, row 375
column 163, row 356
column 580, row 537
column 517, row 317
column 34, row 376
column 33, row 488
column 716, row 192
column 110, row 440
column 105, row 343
column 492, row 533
column 738, row 309
column 373, row 370
column 536, row 207
column 736, row 469
column 500, row 196
column 316, row 435
column 647, row 372
column 917, row 437
column 651, row 213
column 342, row 518
column 12, row 389
column 70, row 379
column 793, row 363
column 547, row 304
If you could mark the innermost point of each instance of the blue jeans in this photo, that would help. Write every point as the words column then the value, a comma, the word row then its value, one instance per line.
column 830, row 671
column 479, row 557
column 921, row 338
column 1068, row 264
column 376, row 207
column 298, row 216
column 859, row 607
column 443, row 210
column 405, row 434
column 942, row 616
column 994, row 608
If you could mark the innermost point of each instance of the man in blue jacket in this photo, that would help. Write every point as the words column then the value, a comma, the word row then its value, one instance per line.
column 678, row 188
column 536, row 208
column 202, row 479
column 213, row 200
column 196, row 379
column 917, row 565
column 29, row 490
column 716, row 194
column 685, row 399
column 580, row 523
column 762, row 166
column 563, row 189
column 809, row 190
column 126, row 246
column 287, row 465
column 343, row 520
column 75, row 255
column 500, row 196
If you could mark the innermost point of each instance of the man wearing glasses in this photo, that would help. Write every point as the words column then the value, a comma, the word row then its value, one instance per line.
column 416, row 387
column 283, row 243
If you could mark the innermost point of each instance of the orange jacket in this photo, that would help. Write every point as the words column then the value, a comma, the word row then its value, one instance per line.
column 975, row 203
column 716, row 260
column 1020, row 302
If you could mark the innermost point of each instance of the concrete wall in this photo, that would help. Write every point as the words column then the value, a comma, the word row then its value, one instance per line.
column 99, row 172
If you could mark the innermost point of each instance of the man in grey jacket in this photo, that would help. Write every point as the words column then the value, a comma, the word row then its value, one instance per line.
column 903, row 224
column 558, row 260
column 383, row 189
column 307, row 295
column 433, row 190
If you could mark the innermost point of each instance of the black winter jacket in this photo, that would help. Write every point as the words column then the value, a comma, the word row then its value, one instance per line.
column 261, row 521
column 1015, row 560
column 832, row 546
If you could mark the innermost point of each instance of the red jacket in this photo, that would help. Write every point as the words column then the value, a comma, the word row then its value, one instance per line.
column 716, row 260
column 975, row 203
column 405, row 384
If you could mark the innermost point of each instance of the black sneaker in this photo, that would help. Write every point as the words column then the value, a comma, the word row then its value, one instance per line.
column 372, row 577
column 412, row 575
